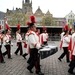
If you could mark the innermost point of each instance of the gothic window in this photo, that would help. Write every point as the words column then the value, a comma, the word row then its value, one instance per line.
column 71, row 15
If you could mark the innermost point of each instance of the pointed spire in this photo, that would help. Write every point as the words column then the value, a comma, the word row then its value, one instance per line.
column 48, row 12
column 38, row 7
column 71, row 10
column 13, row 7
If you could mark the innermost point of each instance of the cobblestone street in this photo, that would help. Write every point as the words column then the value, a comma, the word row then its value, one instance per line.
column 49, row 66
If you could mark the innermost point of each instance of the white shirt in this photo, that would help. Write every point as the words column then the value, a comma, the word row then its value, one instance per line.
column 66, row 40
column 33, row 40
column 26, row 38
column 18, row 38
column 43, row 37
column 6, row 39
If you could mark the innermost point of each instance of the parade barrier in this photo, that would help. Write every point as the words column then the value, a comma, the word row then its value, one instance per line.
column 54, row 38
column 48, row 51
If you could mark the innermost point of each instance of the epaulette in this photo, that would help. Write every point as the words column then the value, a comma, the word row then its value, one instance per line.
column 27, row 33
column 30, row 33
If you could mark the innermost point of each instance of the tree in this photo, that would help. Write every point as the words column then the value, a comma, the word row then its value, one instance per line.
column 47, row 20
column 17, row 18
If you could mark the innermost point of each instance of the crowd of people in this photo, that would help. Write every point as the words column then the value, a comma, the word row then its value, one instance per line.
column 33, row 42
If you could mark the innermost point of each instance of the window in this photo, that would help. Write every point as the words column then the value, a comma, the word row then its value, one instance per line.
column 71, row 15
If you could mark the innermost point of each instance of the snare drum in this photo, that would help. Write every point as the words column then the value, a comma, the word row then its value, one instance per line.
column 47, row 51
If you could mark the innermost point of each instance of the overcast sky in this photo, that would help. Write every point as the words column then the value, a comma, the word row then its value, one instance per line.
column 59, row 8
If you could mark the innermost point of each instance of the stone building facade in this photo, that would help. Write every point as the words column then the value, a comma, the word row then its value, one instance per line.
column 2, row 15
column 21, row 15
column 70, row 19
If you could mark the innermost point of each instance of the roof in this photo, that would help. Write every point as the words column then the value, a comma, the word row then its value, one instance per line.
column 2, row 15
column 14, row 11
column 41, row 26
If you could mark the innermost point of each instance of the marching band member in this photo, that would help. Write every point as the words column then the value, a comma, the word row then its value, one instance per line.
column 1, row 40
column 38, row 35
column 26, row 46
column 44, row 36
column 19, row 41
column 65, row 44
column 7, row 44
column 72, row 49
column 34, row 47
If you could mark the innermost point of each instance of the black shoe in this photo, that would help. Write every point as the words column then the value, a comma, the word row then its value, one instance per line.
column 23, row 56
column 71, row 72
column 29, row 70
column 15, row 53
column 3, row 55
column 39, row 73
column 26, row 54
column 20, row 54
column 10, row 58
column 59, row 59
column 28, row 62
column 70, row 64
column 68, row 61
column 2, row 61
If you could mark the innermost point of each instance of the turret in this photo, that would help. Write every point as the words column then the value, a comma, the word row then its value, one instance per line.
column 22, row 3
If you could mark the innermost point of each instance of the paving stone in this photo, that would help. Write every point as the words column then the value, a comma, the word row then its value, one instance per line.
column 49, row 66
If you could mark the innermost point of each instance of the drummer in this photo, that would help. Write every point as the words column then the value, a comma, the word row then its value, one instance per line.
column 34, row 47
